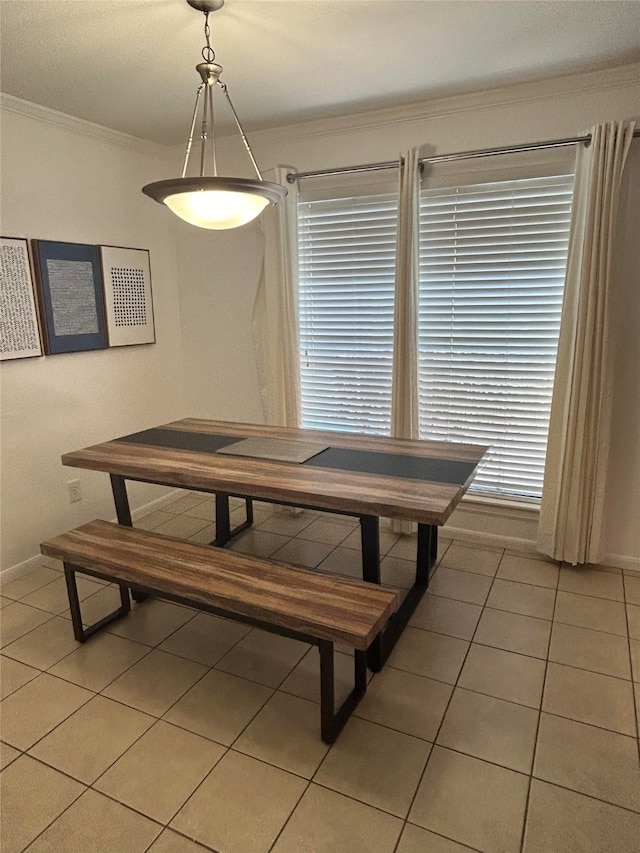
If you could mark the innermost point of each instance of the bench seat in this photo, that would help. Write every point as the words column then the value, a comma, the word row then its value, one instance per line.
column 312, row 606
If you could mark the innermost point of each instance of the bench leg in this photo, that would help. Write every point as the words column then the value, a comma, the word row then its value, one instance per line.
column 79, row 632
column 332, row 721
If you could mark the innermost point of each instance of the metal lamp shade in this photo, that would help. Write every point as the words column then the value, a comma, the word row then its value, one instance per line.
column 216, row 203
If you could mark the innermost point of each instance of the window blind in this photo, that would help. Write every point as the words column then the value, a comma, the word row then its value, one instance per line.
column 492, row 267
column 346, row 273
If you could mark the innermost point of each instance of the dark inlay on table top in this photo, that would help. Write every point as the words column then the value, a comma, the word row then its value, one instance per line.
column 405, row 466
column 394, row 465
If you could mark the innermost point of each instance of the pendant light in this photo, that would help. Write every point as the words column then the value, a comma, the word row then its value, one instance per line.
column 210, row 201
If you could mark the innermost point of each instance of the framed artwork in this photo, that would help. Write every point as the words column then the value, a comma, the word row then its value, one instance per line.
column 70, row 295
column 127, row 292
column 19, row 329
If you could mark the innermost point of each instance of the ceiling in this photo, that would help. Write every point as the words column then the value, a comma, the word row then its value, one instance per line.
column 129, row 64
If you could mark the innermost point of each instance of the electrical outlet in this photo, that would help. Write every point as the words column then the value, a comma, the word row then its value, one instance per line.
column 74, row 490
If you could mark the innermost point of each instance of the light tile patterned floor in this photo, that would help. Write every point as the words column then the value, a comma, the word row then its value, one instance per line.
column 505, row 720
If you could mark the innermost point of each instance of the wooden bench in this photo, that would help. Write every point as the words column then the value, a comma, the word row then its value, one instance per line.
column 310, row 606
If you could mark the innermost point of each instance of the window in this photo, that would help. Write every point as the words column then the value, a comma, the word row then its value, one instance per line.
column 492, row 266
column 347, row 266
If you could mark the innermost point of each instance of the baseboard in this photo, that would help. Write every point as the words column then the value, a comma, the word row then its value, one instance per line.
column 158, row 503
column 527, row 546
column 19, row 569
column 620, row 561
column 490, row 540
column 12, row 572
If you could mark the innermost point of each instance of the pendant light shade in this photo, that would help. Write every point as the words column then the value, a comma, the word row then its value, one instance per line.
column 210, row 201
column 216, row 203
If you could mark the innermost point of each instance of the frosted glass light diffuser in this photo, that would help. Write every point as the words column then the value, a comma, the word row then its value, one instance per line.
column 216, row 203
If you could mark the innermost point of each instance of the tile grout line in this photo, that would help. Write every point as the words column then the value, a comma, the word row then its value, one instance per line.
column 634, row 693
column 66, row 809
column 437, row 734
column 535, row 743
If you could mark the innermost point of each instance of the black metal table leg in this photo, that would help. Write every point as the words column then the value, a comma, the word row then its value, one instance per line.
column 370, row 541
column 383, row 645
column 427, row 551
column 121, row 499
column 123, row 513
column 223, row 520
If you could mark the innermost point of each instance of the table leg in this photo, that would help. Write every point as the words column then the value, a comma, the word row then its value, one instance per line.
column 121, row 500
column 123, row 513
column 384, row 644
column 370, row 541
column 427, row 552
column 223, row 520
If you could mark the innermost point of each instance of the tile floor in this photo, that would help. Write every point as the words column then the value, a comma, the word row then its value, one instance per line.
column 505, row 721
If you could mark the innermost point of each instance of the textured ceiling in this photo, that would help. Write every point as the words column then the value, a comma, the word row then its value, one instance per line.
column 129, row 64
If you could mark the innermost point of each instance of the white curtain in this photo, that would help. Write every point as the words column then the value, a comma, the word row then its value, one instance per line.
column 571, row 512
column 404, row 389
column 404, row 394
column 275, row 311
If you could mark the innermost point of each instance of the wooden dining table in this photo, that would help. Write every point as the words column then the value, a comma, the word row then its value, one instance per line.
column 366, row 476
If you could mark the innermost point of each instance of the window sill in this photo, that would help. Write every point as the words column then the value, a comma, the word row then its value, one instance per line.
column 495, row 503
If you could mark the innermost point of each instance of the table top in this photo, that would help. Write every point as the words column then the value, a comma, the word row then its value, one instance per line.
column 357, row 474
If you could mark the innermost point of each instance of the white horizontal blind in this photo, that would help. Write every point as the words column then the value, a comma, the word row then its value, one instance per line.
column 492, row 267
column 346, row 271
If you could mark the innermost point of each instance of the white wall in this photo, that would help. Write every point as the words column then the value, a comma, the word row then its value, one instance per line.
column 63, row 180
column 218, row 303
column 623, row 480
column 218, row 277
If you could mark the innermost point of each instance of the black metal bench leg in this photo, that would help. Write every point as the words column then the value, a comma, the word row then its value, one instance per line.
column 332, row 721
column 81, row 633
column 74, row 603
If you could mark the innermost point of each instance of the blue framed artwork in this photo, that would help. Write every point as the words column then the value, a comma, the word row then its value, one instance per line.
column 71, row 297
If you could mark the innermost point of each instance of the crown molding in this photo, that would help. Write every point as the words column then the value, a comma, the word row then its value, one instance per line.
column 78, row 125
column 426, row 110
column 471, row 102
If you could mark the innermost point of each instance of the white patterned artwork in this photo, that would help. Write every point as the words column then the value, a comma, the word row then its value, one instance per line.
column 128, row 301
column 19, row 329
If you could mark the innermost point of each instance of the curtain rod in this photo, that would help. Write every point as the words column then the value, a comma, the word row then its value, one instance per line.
column 292, row 177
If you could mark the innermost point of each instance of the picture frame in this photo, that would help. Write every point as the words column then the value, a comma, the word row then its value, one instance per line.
column 71, row 298
column 126, row 274
column 19, row 323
